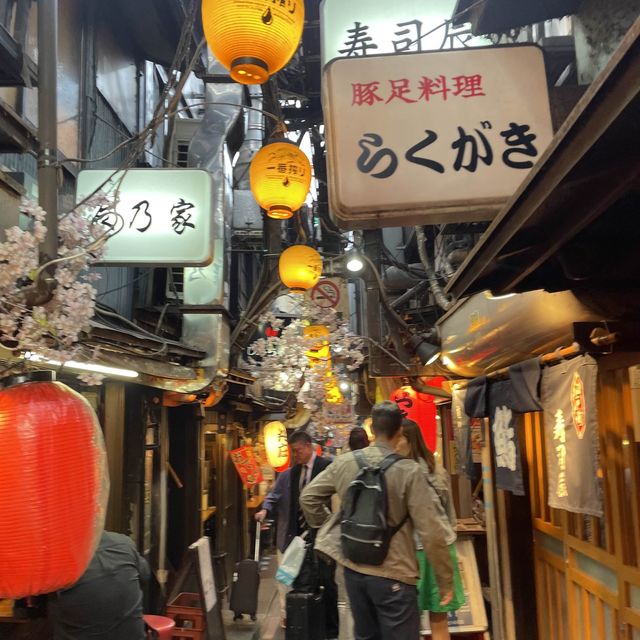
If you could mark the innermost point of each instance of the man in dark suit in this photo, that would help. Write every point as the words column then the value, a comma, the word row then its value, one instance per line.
column 283, row 502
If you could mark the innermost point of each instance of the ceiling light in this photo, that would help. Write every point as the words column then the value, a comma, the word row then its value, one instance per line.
column 354, row 262
column 344, row 386
column 82, row 366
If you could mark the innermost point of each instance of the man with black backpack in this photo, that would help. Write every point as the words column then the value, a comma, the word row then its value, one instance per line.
column 385, row 498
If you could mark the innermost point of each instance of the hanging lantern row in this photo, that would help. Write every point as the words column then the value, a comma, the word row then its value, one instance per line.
column 300, row 268
column 253, row 39
column 280, row 177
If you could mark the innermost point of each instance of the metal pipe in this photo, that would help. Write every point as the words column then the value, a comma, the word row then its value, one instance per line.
column 48, row 121
column 439, row 295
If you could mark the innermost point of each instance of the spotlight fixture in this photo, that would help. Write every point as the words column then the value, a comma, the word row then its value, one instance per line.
column 354, row 262
column 426, row 351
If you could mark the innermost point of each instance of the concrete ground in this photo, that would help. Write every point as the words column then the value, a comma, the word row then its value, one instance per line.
column 267, row 625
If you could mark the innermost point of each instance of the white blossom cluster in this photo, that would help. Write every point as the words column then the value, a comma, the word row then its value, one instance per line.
column 52, row 330
column 282, row 362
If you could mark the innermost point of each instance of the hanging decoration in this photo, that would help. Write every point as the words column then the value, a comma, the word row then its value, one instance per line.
column 276, row 445
column 253, row 39
column 280, row 176
column 247, row 466
column 300, row 268
column 307, row 357
column 53, row 487
column 48, row 326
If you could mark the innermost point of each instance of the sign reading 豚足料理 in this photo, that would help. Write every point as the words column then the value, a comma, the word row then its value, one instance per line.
column 163, row 217
column 445, row 136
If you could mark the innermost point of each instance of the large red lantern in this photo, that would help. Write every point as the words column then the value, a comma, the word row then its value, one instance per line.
column 53, row 487
column 420, row 408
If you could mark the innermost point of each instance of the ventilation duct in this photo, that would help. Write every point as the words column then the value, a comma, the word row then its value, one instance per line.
column 484, row 333
column 208, row 287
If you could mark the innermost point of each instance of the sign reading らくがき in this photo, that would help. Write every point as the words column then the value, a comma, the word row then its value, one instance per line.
column 433, row 137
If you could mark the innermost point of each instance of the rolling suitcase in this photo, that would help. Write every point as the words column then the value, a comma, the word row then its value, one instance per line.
column 305, row 616
column 246, row 581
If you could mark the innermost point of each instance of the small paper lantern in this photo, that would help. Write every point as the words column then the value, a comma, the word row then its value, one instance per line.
column 319, row 352
column 420, row 408
column 276, row 445
column 53, row 487
column 253, row 39
column 300, row 268
column 280, row 176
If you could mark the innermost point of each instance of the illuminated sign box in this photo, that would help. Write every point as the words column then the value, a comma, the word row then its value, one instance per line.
column 431, row 138
column 163, row 217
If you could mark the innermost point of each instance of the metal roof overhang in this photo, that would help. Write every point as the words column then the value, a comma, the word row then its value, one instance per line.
column 580, row 200
column 153, row 25
column 496, row 16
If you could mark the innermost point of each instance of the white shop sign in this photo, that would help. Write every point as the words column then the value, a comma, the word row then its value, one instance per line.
column 373, row 27
column 445, row 136
column 163, row 216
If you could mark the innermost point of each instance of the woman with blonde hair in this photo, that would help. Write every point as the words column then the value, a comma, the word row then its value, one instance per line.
column 412, row 445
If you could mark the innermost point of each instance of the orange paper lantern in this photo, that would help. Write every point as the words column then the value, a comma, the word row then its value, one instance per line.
column 280, row 176
column 300, row 268
column 253, row 39
column 276, row 445
column 53, row 487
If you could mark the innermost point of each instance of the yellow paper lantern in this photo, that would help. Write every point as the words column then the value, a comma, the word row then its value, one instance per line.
column 319, row 352
column 280, row 176
column 300, row 268
column 276, row 445
column 253, row 38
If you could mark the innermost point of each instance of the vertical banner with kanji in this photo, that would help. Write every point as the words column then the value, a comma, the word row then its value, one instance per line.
column 506, row 443
column 247, row 466
column 571, row 436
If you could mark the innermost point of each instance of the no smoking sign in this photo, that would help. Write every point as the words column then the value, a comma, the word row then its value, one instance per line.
column 326, row 294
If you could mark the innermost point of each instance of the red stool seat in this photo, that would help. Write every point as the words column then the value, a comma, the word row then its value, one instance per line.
column 161, row 626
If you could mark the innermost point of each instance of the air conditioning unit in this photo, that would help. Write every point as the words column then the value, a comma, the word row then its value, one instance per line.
column 182, row 135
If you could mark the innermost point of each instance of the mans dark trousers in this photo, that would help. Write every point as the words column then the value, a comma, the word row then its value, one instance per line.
column 382, row 609
column 326, row 572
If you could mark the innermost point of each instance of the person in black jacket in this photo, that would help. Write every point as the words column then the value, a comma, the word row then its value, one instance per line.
column 283, row 503
column 106, row 602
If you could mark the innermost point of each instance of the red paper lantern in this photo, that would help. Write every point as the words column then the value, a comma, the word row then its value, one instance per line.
column 53, row 487
column 420, row 408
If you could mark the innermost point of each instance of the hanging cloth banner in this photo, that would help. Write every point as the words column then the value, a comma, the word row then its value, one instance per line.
column 506, row 443
column 571, row 436
column 247, row 466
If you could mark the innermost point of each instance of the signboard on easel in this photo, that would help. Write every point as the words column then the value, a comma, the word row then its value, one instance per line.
column 197, row 564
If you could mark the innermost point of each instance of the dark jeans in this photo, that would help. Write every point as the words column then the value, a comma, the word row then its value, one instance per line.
column 382, row 609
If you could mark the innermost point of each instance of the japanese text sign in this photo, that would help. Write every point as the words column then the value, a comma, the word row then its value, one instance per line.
column 373, row 27
column 163, row 217
column 425, row 138
column 247, row 466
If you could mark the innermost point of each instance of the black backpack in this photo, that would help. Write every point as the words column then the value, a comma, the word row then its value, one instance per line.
column 365, row 533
